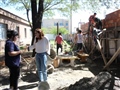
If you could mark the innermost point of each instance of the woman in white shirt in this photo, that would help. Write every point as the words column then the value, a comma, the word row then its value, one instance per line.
column 79, row 40
column 42, row 47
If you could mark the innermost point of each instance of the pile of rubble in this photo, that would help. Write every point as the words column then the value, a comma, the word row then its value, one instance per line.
column 93, row 83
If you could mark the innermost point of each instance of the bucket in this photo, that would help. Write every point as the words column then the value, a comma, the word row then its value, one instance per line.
column 56, row 63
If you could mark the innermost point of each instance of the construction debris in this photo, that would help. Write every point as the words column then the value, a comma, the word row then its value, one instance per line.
column 93, row 83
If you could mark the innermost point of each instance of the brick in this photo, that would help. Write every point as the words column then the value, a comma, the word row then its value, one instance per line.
column 118, row 24
column 111, row 21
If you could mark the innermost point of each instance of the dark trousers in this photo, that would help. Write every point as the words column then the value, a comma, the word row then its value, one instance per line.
column 79, row 46
column 14, row 76
column 59, row 46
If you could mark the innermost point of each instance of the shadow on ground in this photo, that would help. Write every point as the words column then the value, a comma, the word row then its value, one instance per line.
column 30, row 86
column 30, row 77
column 89, row 65
column 96, row 66
column 24, row 87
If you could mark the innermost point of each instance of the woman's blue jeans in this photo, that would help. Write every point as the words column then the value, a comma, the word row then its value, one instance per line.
column 41, row 62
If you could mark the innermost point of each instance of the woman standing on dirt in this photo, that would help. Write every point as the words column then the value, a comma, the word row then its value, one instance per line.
column 79, row 40
column 12, row 59
column 42, row 47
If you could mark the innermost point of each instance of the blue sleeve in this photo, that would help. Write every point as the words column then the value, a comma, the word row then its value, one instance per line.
column 10, row 46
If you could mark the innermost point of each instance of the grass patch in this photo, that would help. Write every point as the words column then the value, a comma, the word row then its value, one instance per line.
column 66, row 45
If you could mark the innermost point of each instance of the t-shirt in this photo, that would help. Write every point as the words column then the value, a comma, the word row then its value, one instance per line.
column 41, row 46
column 59, row 39
column 11, row 61
column 79, row 38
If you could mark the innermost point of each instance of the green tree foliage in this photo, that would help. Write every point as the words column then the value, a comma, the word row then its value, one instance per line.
column 61, row 30
column 45, row 30
column 50, row 7
column 63, row 6
column 40, row 8
column 111, row 3
column 95, row 5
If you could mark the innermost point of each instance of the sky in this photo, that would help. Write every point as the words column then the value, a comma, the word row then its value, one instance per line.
column 81, row 16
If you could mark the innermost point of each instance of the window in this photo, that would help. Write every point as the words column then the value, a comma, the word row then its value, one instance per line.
column 66, row 23
column 17, row 29
column 31, row 33
column 3, row 30
column 25, row 31
column 55, row 24
column 61, row 24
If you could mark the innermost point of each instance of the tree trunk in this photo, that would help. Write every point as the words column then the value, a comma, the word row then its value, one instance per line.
column 27, row 11
column 36, row 17
column 34, row 13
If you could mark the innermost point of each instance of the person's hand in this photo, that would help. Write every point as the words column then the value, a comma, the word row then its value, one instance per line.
column 21, row 51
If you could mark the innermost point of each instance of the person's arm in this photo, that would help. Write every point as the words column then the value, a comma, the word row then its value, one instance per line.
column 32, row 46
column 10, row 46
column 63, row 40
column 48, row 46
column 56, row 39
column 75, row 39
column 82, row 38
column 14, row 53
column 90, row 18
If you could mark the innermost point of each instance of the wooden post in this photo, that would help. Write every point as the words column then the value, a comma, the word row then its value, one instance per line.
column 57, row 28
column 57, row 34
column 113, row 58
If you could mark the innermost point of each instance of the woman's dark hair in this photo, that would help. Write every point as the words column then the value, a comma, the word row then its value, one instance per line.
column 11, row 33
column 59, row 33
column 95, row 13
column 41, row 34
column 79, row 31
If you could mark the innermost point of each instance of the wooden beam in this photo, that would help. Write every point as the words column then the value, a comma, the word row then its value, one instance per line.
column 113, row 58
column 101, row 52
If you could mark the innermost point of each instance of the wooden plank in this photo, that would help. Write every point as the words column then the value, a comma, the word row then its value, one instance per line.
column 82, row 56
column 113, row 58
column 67, row 57
column 71, row 58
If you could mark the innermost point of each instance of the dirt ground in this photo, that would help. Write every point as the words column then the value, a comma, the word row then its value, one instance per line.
column 62, row 77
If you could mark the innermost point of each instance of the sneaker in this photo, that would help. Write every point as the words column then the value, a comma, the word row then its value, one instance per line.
column 43, row 86
column 39, row 85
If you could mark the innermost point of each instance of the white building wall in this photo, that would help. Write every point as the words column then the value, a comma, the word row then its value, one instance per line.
column 25, row 40
column 49, row 23
column 9, row 21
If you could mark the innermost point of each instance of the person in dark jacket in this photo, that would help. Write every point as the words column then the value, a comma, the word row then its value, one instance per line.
column 12, row 59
